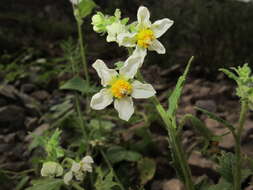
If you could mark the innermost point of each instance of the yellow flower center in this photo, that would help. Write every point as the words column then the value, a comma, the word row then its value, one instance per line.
column 145, row 37
column 120, row 88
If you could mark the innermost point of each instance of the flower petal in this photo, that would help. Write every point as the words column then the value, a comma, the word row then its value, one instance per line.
column 125, row 107
column 127, row 39
column 161, row 26
column 143, row 17
column 157, row 46
column 131, row 66
column 87, row 159
column 87, row 167
column 141, row 90
column 104, row 72
column 102, row 99
column 68, row 177
column 75, row 167
column 142, row 52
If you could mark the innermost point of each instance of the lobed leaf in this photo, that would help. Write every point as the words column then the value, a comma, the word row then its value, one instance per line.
column 117, row 154
column 147, row 168
column 78, row 84
column 216, row 118
column 46, row 184
column 86, row 7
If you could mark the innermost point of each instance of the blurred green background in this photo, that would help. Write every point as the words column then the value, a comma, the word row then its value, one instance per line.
column 217, row 32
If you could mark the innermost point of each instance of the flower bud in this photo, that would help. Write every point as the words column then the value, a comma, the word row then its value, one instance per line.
column 51, row 169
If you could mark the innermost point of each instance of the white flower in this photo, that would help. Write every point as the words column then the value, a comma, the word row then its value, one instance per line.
column 120, row 87
column 86, row 163
column 68, row 177
column 51, row 169
column 114, row 30
column 75, row 2
column 78, row 170
column 146, row 34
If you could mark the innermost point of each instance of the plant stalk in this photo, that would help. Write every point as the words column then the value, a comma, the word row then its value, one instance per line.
column 173, row 139
column 175, row 144
column 238, row 171
column 82, row 51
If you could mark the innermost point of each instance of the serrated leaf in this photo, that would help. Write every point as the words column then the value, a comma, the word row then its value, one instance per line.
column 117, row 154
column 104, row 180
column 216, row 118
column 229, row 74
column 176, row 93
column 86, row 7
column 78, row 84
column 46, row 184
column 226, row 163
column 222, row 185
column 147, row 168
column 199, row 126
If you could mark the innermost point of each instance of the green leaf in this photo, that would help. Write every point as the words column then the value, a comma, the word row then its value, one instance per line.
column 22, row 183
column 229, row 74
column 245, row 174
column 226, row 163
column 104, row 180
column 216, row 118
column 117, row 154
column 86, row 7
column 222, row 185
column 176, row 93
column 147, row 168
column 199, row 126
column 46, row 184
column 78, row 84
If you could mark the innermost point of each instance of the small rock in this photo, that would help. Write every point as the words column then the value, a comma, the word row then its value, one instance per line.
column 27, row 88
column 3, row 102
column 210, row 123
column 5, row 148
column 11, row 113
column 156, row 185
column 196, row 159
column 204, row 91
column 208, row 105
column 31, row 122
column 10, row 138
column 8, row 91
column 249, row 187
column 41, row 95
column 173, row 184
column 38, row 131
column 227, row 141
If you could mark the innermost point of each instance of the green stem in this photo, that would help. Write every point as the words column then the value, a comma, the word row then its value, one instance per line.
column 238, row 172
column 77, row 187
column 82, row 51
column 175, row 144
column 112, row 170
column 173, row 140
column 79, row 113
column 83, row 56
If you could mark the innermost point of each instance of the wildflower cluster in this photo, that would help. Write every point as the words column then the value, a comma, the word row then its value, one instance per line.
column 79, row 169
column 141, row 35
column 244, row 80
column 121, row 86
column 53, row 168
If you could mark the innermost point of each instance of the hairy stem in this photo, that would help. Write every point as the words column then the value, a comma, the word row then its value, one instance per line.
column 82, row 51
column 173, row 140
column 238, row 171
